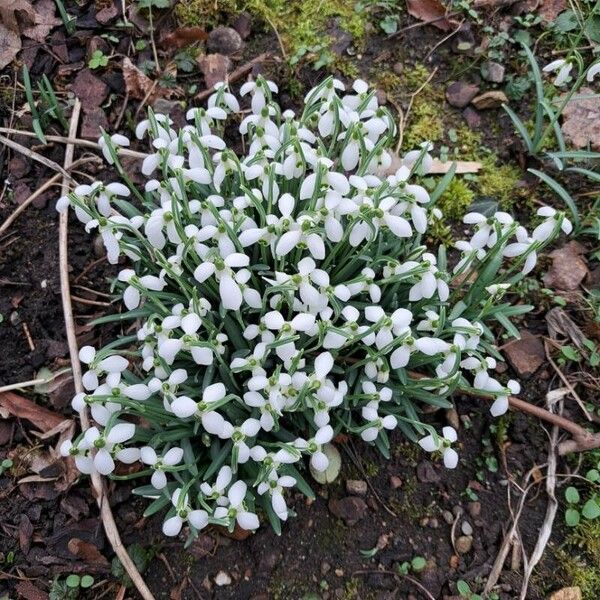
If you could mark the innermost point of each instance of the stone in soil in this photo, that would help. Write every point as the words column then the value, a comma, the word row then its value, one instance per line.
column 356, row 487
column 568, row 593
column 491, row 99
column 222, row 579
column 426, row 472
column 464, row 543
column 92, row 121
column 474, row 509
column 526, row 355
column 493, row 71
column 224, row 40
column 460, row 93
column 395, row 482
column 243, row 24
column 568, row 268
column 581, row 120
column 350, row 509
column 90, row 89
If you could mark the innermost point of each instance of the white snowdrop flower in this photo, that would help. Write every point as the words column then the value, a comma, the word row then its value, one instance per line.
column 366, row 283
column 383, row 394
column 552, row 217
column 523, row 245
column 116, row 140
column 258, row 90
column 500, row 404
column 81, row 453
column 430, row 282
column 376, row 423
column 430, row 323
column 132, row 294
column 99, row 366
column 205, row 118
column 184, row 513
column 592, row 72
column 184, row 406
column 410, row 158
column 497, row 289
column 302, row 322
column 314, row 447
column 431, row 443
column 469, row 254
column 223, row 98
column 562, row 68
column 216, row 491
column 338, row 337
column 275, row 486
column 236, row 510
column 171, row 458
column 104, row 444
column 238, row 435
column 388, row 327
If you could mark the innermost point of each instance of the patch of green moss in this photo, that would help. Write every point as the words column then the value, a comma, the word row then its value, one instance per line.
column 579, row 558
column 302, row 26
column 371, row 468
column 205, row 13
column 425, row 123
column 457, row 198
column 499, row 181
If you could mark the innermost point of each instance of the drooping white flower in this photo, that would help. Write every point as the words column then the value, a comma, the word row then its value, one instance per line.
column 434, row 443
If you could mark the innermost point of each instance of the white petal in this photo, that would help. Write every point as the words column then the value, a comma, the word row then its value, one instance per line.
column 172, row 526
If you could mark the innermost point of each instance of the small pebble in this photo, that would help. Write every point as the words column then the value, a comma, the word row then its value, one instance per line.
column 464, row 544
column 448, row 517
column 395, row 482
column 466, row 528
column 222, row 579
column 356, row 487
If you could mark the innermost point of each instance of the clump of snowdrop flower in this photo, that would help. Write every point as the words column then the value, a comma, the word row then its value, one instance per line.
column 282, row 292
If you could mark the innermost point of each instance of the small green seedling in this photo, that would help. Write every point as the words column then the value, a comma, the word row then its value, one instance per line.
column 98, row 59
column 590, row 509
column 6, row 464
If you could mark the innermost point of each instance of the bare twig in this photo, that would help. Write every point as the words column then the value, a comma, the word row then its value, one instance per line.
column 69, row 140
column 34, row 155
column 546, row 529
column 98, row 486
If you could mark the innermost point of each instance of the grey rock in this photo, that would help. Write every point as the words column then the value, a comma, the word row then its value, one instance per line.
column 350, row 509
column 493, row 71
column 224, row 40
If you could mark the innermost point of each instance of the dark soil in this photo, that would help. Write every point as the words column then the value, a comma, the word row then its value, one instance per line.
column 413, row 507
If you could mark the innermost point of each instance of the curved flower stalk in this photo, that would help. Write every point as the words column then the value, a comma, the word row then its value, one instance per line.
column 284, row 295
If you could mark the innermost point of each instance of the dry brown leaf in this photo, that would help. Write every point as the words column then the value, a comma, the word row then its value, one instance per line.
column 10, row 44
column 140, row 87
column 183, row 36
column 214, row 67
column 568, row 268
column 430, row 11
column 44, row 21
column 86, row 552
column 550, row 9
column 22, row 408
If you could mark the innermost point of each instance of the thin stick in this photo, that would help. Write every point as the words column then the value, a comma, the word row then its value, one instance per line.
column 98, row 486
column 34, row 155
column 72, row 140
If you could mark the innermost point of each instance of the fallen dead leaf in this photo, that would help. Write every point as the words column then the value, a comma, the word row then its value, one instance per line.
column 548, row 10
column 183, row 36
column 140, row 87
column 86, row 551
column 28, row 591
column 22, row 408
column 462, row 167
column 44, row 21
column 431, row 11
column 581, row 120
column 214, row 67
